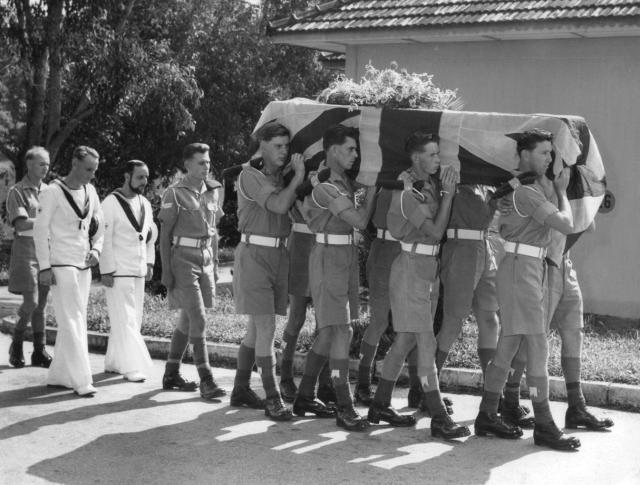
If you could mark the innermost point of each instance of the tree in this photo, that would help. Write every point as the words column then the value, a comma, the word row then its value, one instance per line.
column 141, row 79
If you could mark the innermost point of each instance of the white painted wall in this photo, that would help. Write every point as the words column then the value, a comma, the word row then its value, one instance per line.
column 598, row 79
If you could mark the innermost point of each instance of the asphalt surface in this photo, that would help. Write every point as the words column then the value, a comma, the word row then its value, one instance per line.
column 136, row 433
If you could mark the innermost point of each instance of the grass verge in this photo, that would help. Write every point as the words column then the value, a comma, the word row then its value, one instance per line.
column 609, row 355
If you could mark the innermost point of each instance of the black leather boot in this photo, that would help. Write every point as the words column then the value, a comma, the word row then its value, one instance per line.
column 245, row 396
column 178, row 383
column 304, row 404
column 288, row 390
column 549, row 435
column 210, row 390
column 518, row 416
column 492, row 424
column 348, row 418
column 442, row 426
column 327, row 393
column 16, row 357
column 414, row 397
column 363, row 395
column 379, row 412
column 578, row 416
column 275, row 408
column 40, row 358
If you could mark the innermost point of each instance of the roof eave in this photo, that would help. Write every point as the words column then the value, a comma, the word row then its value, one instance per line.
column 338, row 40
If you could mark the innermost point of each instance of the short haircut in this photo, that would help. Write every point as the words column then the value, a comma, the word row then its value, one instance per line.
column 192, row 148
column 337, row 135
column 35, row 151
column 417, row 141
column 530, row 139
column 271, row 130
column 82, row 151
column 131, row 165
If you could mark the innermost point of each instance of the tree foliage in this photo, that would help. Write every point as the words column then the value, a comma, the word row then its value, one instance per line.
column 141, row 79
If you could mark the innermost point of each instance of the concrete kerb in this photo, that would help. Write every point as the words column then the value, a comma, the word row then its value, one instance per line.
column 596, row 393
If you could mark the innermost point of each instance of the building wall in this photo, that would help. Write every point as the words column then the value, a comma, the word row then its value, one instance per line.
column 598, row 79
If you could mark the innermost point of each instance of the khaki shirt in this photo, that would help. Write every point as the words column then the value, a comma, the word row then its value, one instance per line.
column 470, row 208
column 194, row 214
column 383, row 201
column 327, row 200
column 525, row 223
column 254, row 188
column 409, row 209
column 23, row 200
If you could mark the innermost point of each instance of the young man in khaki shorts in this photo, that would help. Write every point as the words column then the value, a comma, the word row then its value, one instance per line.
column 261, row 265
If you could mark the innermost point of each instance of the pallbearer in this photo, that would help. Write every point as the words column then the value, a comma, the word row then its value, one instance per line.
column 261, row 265
column 417, row 218
column 127, row 261
column 331, row 214
column 527, row 231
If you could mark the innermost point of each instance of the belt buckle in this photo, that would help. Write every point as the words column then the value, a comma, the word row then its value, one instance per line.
column 203, row 243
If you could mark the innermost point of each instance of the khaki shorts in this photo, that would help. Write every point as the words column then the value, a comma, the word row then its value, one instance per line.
column 260, row 280
column 468, row 273
column 23, row 266
column 412, row 281
column 194, row 281
column 521, row 285
column 564, row 308
column 300, row 245
column 382, row 253
column 332, row 270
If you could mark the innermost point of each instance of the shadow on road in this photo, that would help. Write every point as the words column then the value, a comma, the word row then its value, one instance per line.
column 38, row 395
column 242, row 446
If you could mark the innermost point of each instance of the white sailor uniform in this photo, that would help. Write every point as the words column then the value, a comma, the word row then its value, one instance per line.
column 62, row 242
column 129, row 239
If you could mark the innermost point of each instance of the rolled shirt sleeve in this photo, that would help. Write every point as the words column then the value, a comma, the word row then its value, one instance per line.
column 412, row 210
column 528, row 201
column 329, row 196
column 16, row 206
column 255, row 186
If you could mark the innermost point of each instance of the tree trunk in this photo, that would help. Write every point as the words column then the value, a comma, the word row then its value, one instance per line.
column 37, row 95
column 54, row 43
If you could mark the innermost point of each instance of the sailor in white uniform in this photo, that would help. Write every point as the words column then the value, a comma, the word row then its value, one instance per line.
column 68, row 233
column 127, row 260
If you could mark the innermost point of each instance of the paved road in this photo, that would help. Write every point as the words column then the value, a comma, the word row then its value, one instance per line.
column 135, row 433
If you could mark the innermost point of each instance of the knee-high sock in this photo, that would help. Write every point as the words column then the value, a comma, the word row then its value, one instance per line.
column 539, row 393
column 384, row 392
column 324, row 378
column 571, row 370
column 485, row 356
column 340, row 374
column 312, row 368
column 267, row 368
column 494, row 381
column 201, row 357
column 246, row 357
column 512, row 387
column 441, row 358
column 179, row 342
column 433, row 399
column 412, row 360
column 286, row 366
column 367, row 354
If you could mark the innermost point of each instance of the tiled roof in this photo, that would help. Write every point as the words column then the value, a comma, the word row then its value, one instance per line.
column 375, row 14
